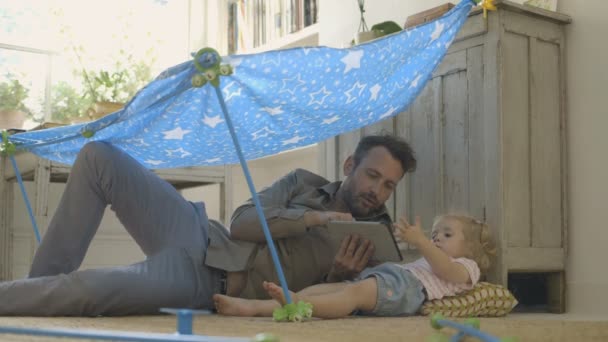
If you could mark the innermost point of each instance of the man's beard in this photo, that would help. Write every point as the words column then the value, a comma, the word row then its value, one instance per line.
column 355, row 205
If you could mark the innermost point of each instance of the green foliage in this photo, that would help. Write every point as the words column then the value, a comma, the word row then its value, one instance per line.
column 13, row 95
column 118, row 85
column 67, row 102
column 7, row 148
column 386, row 27
column 293, row 312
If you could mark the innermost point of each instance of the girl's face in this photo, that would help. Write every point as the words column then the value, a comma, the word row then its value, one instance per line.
column 448, row 236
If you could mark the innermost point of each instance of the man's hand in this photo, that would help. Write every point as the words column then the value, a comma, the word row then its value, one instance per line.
column 411, row 234
column 320, row 218
column 352, row 258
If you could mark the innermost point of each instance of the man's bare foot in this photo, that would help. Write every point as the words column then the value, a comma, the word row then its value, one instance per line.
column 276, row 292
column 233, row 306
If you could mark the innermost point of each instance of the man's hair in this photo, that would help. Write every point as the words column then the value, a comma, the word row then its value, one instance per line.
column 398, row 148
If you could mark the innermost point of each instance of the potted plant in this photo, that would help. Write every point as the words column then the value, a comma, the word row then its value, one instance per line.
column 13, row 110
column 108, row 91
column 379, row 30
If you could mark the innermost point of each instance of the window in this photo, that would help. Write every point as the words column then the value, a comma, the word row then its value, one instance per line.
column 58, row 57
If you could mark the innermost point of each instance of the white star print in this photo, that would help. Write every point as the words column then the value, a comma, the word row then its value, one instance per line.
column 262, row 133
column 437, row 32
column 331, row 120
column 183, row 152
column 273, row 110
column 175, row 134
column 275, row 61
column 214, row 160
column 352, row 60
column 387, row 113
column 309, row 49
column 386, row 47
column 228, row 95
column 414, row 83
column 212, row 121
column 293, row 140
column 374, row 90
column 289, row 86
column 138, row 142
column 360, row 87
column 154, row 162
column 320, row 101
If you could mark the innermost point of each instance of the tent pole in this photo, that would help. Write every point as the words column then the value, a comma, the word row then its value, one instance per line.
column 26, row 199
column 254, row 196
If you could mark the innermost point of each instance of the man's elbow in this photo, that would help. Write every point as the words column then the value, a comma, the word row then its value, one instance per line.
column 249, row 234
column 238, row 233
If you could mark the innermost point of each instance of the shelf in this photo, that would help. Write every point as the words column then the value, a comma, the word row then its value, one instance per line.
column 181, row 178
column 308, row 36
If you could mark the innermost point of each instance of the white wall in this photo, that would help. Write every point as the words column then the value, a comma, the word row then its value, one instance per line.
column 264, row 172
column 587, row 64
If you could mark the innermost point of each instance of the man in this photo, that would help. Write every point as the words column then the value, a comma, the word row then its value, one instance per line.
column 189, row 258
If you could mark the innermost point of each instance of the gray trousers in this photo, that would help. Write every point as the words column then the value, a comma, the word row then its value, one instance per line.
column 171, row 231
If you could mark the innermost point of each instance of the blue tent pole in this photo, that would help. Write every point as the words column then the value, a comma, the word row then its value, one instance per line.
column 25, row 198
column 254, row 196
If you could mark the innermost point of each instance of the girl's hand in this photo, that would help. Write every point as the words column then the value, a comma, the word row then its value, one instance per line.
column 412, row 234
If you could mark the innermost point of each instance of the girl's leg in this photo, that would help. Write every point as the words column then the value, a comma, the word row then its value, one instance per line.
column 322, row 289
column 360, row 295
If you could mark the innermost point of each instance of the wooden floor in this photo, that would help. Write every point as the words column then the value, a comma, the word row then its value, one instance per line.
column 524, row 327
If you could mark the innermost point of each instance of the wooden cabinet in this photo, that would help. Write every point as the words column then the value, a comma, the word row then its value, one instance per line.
column 490, row 138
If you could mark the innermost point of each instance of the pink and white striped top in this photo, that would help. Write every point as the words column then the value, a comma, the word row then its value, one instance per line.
column 438, row 288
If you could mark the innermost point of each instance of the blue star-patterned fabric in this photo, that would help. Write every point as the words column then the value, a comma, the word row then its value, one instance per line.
column 277, row 100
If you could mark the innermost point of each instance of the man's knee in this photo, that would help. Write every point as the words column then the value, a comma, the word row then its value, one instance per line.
column 99, row 153
column 95, row 149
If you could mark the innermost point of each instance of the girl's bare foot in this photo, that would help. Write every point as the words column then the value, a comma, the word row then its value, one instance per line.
column 276, row 292
column 233, row 306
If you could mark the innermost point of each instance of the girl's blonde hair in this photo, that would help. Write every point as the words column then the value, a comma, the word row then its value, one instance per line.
column 478, row 238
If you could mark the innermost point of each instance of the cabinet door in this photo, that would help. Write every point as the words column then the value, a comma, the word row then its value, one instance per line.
column 532, row 141
column 444, row 126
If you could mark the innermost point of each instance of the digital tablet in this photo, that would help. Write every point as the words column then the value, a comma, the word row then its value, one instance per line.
column 379, row 234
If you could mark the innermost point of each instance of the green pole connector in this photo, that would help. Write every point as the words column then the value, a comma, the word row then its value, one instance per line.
column 7, row 148
column 88, row 134
column 210, row 73
column 293, row 312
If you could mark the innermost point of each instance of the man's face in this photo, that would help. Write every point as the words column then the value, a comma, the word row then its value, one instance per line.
column 369, row 185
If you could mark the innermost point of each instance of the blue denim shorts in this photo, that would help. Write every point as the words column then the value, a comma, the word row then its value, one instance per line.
column 400, row 293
